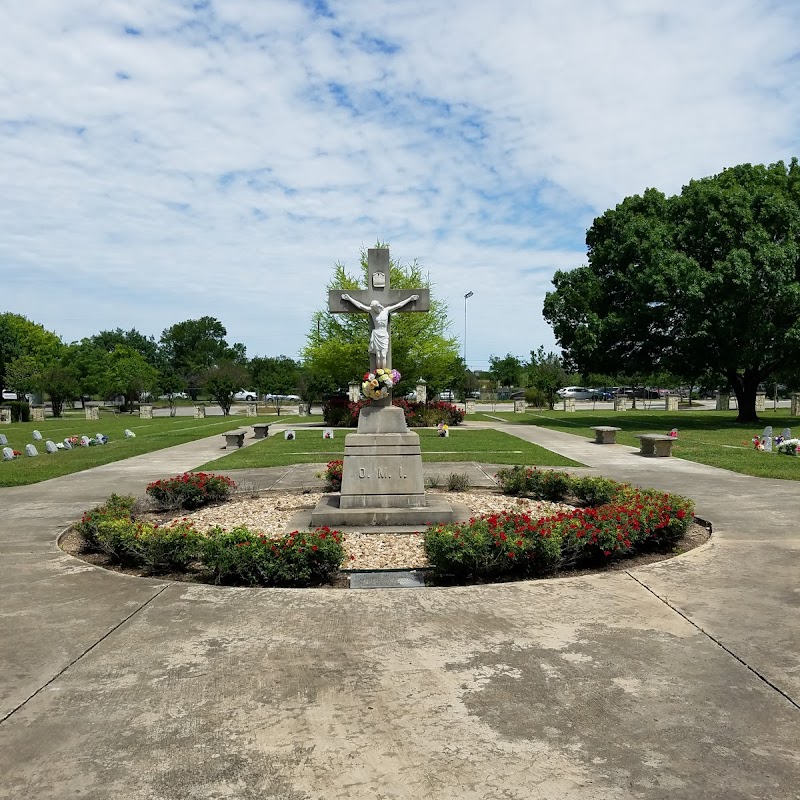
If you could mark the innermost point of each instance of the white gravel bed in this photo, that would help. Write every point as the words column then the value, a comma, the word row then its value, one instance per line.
column 270, row 514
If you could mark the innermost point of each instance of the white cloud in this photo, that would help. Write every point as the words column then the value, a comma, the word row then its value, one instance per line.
column 164, row 160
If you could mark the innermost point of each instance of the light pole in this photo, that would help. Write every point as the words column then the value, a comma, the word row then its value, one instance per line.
column 466, row 297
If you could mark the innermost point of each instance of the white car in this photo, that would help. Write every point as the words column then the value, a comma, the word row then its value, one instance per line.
column 246, row 395
column 577, row 393
column 281, row 398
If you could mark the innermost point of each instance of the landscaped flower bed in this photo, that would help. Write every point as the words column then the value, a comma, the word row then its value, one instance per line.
column 620, row 520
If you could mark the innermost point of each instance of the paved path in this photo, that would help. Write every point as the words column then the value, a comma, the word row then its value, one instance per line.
column 679, row 680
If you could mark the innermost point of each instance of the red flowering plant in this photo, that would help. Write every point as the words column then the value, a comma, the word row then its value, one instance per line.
column 513, row 543
column 333, row 475
column 116, row 507
column 191, row 490
column 242, row 556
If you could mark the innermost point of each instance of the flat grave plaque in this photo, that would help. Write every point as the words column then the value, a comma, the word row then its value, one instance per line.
column 410, row 579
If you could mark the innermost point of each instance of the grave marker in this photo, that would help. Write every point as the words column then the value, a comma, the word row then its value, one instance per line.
column 67, row 444
column 3, row 440
column 84, row 441
column 8, row 454
column 91, row 412
column 129, row 434
column 289, row 435
column 50, row 446
column 37, row 436
column 31, row 451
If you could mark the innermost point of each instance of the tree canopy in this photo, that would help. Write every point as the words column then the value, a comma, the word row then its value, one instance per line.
column 707, row 280
column 337, row 345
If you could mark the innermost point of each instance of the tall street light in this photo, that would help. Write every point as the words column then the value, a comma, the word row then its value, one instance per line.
column 466, row 297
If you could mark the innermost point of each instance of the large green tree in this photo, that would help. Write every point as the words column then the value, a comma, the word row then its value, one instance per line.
column 19, row 337
column 192, row 347
column 222, row 381
column 707, row 280
column 129, row 374
column 276, row 376
column 337, row 345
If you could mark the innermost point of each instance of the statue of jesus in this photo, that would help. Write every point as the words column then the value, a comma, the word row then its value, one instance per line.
column 379, row 337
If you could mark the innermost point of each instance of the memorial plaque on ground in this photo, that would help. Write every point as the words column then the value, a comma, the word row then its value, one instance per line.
column 410, row 579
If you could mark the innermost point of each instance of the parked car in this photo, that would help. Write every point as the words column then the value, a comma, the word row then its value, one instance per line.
column 175, row 395
column 577, row 393
column 247, row 395
column 9, row 395
column 281, row 398
column 447, row 396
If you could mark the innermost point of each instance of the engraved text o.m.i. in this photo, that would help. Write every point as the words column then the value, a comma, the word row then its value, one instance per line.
column 383, row 473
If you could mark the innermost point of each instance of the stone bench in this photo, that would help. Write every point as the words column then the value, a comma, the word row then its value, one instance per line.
column 234, row 438
column 605, row 434
column 260, row 430
column 655, row 444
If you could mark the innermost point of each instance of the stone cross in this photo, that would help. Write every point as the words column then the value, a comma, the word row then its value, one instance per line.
column 378, row 288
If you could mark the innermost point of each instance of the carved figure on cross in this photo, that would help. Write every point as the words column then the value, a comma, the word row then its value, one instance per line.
column 379, row 300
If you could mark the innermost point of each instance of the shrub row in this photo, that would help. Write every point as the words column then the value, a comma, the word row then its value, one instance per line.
column 554, row 486
column 190, row 490
column 340, row 412
column 515, row 544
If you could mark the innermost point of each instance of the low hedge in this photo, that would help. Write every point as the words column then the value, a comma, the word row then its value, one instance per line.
column 623, row 521
column 341, row 412
column 240, row 556
column 190, row 490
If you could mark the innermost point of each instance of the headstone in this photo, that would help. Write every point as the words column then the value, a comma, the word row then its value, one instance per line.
column 327, row 433
column 767, row 442
column 569, row 404
column 101, row 438
column 129, row 434
column 92, row 412
column 671, row 402
column 199, row 412
column 723, row 402
column 37, row 414
column 767, row 431
column 786, row 433
column 30, row 450
column 794, row 407
column 37, row 437
column 250, row 410
column 289, row 435
column 302, row 409
column 50, row 446
column 145, row 412
column 620, row 403
column 3, row 440
column 8, row 454
column 761, row 400
column 84, row 441
column 67, row 444
column 5, row 416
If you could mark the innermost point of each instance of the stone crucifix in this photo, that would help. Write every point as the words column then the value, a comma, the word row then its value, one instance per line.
column 379, row 300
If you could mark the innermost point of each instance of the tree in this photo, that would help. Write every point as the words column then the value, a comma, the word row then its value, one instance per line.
column 59, row 383
column 90, row 363
column 146, row 346
column 275, row 376
column 191, row 348
column 222, row 381
column 21, row 337
column 546, row 374
column 708, row 280
column 506, row 371
column 337, row 344
column 129, row 375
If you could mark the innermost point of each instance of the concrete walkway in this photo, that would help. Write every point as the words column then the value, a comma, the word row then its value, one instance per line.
column 679, row 680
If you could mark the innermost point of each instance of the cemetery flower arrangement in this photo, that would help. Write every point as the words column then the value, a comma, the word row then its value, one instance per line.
column 333, row 475
column 757, row 443
column 16, row 453
column 789, row 446
column 191, row 490
column 378, row 384
column 625, row 519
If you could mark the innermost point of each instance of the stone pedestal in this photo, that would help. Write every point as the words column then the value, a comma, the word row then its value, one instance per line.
column 569, row 404
column 199, row 412
column 519, row 406
column 353, row 391
column 723, row 402
column 470, row 406
column 620, row 404
column 761, row 401
column 421, row 391
column 145, row 412
column 250, row 410
column 794, row 408
column 5, row 416
column 91, row 412
column 302, row 410
column 671, row 402
column 382, row 481
column 37, row 414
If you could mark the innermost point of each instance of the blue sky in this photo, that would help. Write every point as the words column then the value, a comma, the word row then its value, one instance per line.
column 165, row 160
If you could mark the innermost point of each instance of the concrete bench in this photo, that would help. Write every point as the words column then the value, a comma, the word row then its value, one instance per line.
column 605, row 434
column 234, row 438
column 655, row 444
column 260, row 430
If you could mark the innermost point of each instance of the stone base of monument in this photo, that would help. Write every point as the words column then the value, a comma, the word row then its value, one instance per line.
column 382, row 482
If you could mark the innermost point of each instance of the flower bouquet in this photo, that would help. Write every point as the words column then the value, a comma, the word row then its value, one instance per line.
column 789, row 447
column 378, row 384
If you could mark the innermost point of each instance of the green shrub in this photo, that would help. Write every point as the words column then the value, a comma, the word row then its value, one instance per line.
column 593, row 490
column 20, row 410
column 297, row 559
column 530, row 482
column 191, row 490
column 116, row 507
column 457, row 482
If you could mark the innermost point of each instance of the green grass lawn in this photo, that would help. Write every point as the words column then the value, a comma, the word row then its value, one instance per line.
column 151, row 434
column 707, row 437
column 492, row 447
